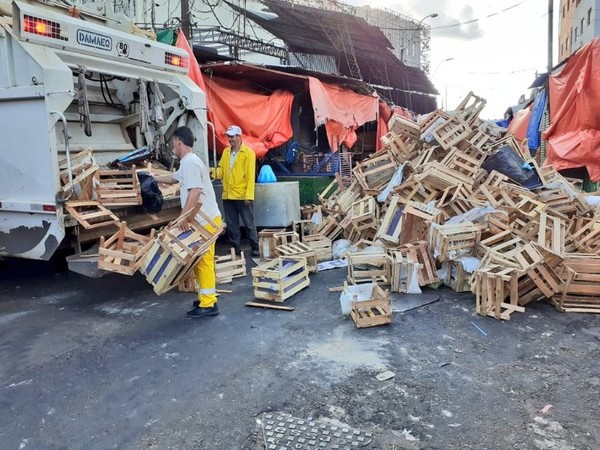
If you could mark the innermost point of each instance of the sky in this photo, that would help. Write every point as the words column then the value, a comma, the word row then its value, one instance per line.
column 495, row 52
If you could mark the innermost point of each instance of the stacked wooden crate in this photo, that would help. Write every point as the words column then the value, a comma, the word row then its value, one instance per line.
column 532, row 242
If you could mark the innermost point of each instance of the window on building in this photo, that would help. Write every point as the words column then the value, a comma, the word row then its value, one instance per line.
column 589, row 17
column 581, row 27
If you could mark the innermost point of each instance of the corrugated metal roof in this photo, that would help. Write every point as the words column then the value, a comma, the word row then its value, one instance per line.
column 312, row 30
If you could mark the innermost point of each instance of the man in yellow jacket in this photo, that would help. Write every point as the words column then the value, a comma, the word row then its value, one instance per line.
column 237, row 168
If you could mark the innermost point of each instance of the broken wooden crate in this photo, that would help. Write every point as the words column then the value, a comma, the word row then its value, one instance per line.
column 174, row 253
column 91, row 214
column 81, row 168
column 124, row 251
column 279, row 279
column 322, row 245
column 492, row 286
column 581, row 284
column 419, row 253
column 365, row 267
column 228, row 267
column 267, row 244
column 372, row 312
column 294, row 250
column 450, row 241
column 402, row 271
column 457, row 278
column 118, row 187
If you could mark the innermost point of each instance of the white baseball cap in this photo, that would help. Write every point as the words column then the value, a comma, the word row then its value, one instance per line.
column 233, row 130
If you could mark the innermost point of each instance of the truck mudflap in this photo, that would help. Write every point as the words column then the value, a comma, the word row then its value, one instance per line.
column 31, row 236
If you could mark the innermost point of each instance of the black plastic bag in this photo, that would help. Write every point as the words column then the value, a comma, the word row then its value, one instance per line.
column 508, row 162
column 152, row 199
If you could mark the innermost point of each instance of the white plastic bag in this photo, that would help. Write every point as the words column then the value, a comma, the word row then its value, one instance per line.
column 355, row 293
column 413, row 286
column 340, row 247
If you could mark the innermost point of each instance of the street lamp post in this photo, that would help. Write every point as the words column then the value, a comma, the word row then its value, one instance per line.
column 445, row 98
column 422, row 45
column 440, row 63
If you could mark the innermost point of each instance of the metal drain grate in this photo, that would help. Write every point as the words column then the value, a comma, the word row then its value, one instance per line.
column 284, row 432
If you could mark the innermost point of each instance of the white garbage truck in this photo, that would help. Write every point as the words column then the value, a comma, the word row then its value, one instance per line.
column 72, row 80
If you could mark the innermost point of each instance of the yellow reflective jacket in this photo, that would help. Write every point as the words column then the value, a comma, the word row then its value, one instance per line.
column 238, row 183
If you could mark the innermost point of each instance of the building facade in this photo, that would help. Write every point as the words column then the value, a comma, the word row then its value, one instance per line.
column 577, row 25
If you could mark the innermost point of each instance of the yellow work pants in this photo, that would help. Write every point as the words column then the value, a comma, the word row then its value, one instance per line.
column 205, row 273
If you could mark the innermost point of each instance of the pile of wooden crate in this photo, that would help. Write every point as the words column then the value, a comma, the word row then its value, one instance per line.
column 531, row 244
column 93, row 190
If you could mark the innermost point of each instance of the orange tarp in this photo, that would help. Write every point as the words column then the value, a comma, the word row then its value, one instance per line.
column 264, row 119
column 385, row 114
column 574, row 134
column 518, row 126
column 342, row 111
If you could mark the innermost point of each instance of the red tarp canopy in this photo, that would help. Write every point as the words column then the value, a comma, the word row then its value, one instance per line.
column 266, row 119
column 574, row 93
column 342, row 111
column 385, row 114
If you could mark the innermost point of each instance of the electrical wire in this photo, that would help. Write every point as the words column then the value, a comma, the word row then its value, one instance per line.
column 470, row 21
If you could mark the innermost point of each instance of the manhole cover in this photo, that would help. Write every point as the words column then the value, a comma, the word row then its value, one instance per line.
column 283, row 432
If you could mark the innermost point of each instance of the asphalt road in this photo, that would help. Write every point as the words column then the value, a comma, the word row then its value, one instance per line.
column 105, row 363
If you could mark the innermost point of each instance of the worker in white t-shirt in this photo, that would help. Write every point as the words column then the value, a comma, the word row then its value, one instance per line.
column 196, row 187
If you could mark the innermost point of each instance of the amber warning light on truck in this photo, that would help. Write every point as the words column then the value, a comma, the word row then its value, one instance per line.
column 41, row 27
column 175, row 60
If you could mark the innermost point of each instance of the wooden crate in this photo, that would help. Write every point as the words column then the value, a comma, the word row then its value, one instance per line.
column 293, row 250
column 390, row 226
column 329, row 228
column 364, row 267
column 451, row 241
column 416, row 220
column 468, row 164
column 185, row 245
column 440, row 177
column 345, row 199
column 452, row 132
column 364, row 214
column 414, row 190
column 82, row 168
column 285, row 237
column 373, row 312
column 91, row 214
column 304, row 228
column 418, row 252
column 581, row 289
column 401, row 147
column 432, row 121
column 402, row 270
column 457, row 200
column 118, row 187
column 539, row 269
column 188, row 284
column 228, row 267
column 470, row 107
column 492, row 286
column 374, row 173
column 267, row 244
column 457, row 277
column 174, row 253
column 322, row 245
column 279, row 279
column 124, row 251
